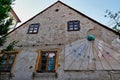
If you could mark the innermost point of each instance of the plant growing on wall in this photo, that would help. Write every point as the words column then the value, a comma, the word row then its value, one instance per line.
column 10, row 47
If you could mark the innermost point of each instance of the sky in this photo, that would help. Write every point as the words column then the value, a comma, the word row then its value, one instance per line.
column 25, row 9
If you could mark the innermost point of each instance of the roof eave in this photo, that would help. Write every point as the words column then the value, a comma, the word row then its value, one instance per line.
column 15, row 15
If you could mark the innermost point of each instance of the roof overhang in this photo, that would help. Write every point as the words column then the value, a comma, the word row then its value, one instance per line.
column 15, row 15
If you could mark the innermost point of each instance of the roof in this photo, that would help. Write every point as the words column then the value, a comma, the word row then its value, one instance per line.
column 73, row 10
column 91, row 55
column 14, row 15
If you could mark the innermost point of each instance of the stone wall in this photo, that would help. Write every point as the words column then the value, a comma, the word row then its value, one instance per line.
column 53, row 28
column 26, row 59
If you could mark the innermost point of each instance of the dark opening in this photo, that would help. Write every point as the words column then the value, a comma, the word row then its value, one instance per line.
column 56, row 10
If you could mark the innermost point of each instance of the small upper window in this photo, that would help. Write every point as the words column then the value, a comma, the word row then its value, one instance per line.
column 7, row 61
column 73, row 25
column 33, row 28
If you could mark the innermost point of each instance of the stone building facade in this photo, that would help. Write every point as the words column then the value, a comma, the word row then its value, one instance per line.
column 61, row 43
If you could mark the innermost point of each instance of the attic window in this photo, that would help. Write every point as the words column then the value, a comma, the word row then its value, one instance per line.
column 74, row 25
column 56, row 10
column 33, row 28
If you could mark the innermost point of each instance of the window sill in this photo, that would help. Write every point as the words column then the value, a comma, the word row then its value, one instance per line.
column 73, row 30
column 5, row 74
column 10, row 51
column 45, row 74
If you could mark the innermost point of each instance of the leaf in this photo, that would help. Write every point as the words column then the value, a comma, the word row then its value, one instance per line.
column 115, row 27
column 119, row 24
column 105, row 15
column 11, row 46
column 2, row 41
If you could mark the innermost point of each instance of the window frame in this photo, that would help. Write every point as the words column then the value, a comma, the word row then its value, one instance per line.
column 40, row 60
column 32, row 26
column 72, row 23
column 7, row 63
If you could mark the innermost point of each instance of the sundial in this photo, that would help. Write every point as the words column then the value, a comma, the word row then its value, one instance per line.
column 91, row 53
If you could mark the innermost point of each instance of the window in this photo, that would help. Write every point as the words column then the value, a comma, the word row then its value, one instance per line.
column 33, row 28
column 73, row 25
column 7, row 62
column 47, row 61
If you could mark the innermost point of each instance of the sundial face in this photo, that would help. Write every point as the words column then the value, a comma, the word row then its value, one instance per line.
column 75, row 52
column 93, row 54
column 78, row 51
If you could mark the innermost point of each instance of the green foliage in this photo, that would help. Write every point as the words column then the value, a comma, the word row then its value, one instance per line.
column 5, row 19
column 10, row 46
column 115, row 18
column 5, row 9
column 2, row 40
column 4, row 28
